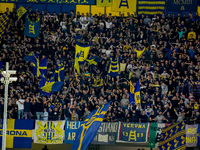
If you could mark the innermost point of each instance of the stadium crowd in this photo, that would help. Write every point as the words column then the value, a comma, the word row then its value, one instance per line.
column 163, row 52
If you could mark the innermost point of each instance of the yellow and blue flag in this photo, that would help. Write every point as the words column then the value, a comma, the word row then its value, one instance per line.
column 32, row 28
column 114, row 66
column 50, row 85
column 45, row 81
column 60, row 73
column 81, row 54
column 19, row 133
column 135, row 93
column 3, row 23
column 97, row 72
column 42, row 67
column 173, row 137
column 21, row 11
column 104, row 3
column 124, row 5
column 39, row 67
column 88, row 130
column 150, row 7
column 93, row 60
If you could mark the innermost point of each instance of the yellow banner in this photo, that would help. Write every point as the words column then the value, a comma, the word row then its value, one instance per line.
column 103, row 3
column 124, row 5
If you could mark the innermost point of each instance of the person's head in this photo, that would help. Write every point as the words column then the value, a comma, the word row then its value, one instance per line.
column 27, row 99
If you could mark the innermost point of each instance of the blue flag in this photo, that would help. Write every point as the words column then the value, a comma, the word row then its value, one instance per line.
column 32, row 28
column 60, row 73
column 93, row 60
column 114, row 66
column 135, row 93
column 97, row 76
column 42, row 67
column 173, row 137
column 88, row 130
column 19, row 133
column 39, row 67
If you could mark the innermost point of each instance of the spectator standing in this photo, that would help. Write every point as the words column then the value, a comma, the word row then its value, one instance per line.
column 20, row 104
column 45, row 115
column 27, row 109
column 74, row 115
column 39, row 108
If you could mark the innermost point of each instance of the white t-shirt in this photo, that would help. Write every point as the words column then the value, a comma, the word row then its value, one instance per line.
column 20, row 106
column 108, row 24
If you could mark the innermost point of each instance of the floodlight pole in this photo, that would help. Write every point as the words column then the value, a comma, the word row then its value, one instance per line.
column 6, row 80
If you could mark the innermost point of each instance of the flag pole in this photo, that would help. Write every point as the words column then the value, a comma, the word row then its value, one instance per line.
column 26, row 9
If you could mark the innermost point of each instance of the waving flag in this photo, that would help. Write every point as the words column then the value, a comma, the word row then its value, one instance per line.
column 173, row 137
column 81, row 54
column 135, row 93
column 114, row 66
column 39, row 67
column 3, row 23
column 21, row 11
column 44, row 81
column 88, row 130
column 32, row 28
column 52, row 87
column 60, row 73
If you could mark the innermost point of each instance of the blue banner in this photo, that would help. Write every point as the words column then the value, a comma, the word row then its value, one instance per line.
column 182, row 6
column 71, row 128
column 32, row 28
column 73, row 2
column 133, row 132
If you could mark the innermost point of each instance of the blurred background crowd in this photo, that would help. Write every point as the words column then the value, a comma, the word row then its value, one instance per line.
column 163, row 52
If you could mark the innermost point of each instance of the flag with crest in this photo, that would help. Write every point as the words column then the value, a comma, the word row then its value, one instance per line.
column 21, row 11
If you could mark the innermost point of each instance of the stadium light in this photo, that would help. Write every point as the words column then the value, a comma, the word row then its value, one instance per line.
column 6, row 79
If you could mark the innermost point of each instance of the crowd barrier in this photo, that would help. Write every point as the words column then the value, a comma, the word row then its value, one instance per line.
column 109, row 133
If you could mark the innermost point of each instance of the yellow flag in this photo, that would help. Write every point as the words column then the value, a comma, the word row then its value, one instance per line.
column 104, row 3
column 81, row 54
column 124, row 5
column 21, row 11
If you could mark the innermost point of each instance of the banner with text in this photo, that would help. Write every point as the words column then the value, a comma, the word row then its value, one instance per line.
column 182, row 6
column 71, row 2
column 106, row 133
column 155, row 133
column 191, row 135
column 133, row 132
column 71, row 127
